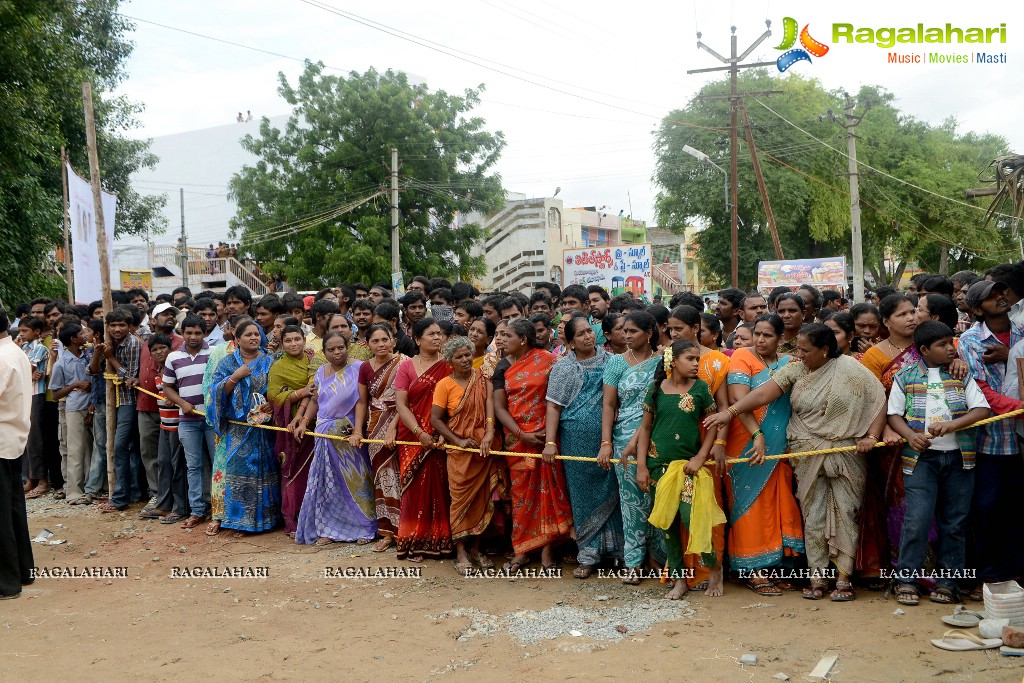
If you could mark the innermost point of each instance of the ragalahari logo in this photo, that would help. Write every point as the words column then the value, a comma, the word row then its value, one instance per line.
column 810, row 45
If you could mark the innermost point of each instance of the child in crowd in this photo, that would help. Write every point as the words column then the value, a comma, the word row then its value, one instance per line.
column 926, row 407
column 670, row 456
column 31, row 333
column 70, row 382
column 96, row 482
column 171, row 491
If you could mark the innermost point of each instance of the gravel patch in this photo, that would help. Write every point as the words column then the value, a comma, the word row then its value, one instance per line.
column 601, row 623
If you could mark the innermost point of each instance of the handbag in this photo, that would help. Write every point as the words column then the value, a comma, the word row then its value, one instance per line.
column 256, row 416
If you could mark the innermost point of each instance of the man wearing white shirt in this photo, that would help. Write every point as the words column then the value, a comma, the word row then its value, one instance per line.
column 15, row 407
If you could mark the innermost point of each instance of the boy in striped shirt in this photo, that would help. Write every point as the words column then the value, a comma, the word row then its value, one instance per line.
column 171, row 489
column 183, row 386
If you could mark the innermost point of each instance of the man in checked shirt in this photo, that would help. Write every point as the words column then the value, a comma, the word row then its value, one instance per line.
column 123, row 358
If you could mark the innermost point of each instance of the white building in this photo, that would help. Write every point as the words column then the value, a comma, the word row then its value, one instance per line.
column 198, row 165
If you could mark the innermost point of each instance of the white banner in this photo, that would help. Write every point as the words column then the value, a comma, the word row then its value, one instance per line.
column 88, row 286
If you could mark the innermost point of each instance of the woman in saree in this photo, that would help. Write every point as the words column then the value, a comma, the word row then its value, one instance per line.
column 790, row 307
column 573, row 427
column 423, row 526
column 217, row 354
column 763, row 513
column 338, row 505
column 836, row 403
column 626, row 379
column 251, row 474
column 481, row 333
column 463, row 413
column 541, row 514
column 686, row 324
column 670, row 435
column 377, row 393
column 289, row 391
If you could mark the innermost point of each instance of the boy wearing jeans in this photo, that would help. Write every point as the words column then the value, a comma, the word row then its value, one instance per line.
column 927, row 407
column 122, row 358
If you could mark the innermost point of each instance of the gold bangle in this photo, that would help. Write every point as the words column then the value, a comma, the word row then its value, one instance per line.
column 720, row 442
column 491, row 420
column 606, row 442
column 550, row 443
column 871, row 436
column 732, row 411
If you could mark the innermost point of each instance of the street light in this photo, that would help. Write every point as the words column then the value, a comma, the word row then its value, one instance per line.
column 701, row 156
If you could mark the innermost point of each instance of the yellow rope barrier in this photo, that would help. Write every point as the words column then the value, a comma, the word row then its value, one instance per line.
column 576, row 458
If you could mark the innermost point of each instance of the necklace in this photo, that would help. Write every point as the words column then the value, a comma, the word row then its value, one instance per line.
column 637, row 361
column 771, row 367
column 415, row 363
column 898, row 349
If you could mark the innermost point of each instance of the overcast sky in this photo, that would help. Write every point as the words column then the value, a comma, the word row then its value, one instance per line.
column 625, row 62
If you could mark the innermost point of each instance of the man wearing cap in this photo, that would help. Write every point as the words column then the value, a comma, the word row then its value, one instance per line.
column 163, row 319
column 999, row 472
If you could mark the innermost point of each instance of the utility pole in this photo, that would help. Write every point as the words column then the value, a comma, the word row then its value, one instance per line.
column 857, row 247
column 765, row 202
column 104, row 258
column 184, row 241
column 733, row 62
column 396, row 265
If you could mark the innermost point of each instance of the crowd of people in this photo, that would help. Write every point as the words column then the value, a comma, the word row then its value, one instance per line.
column 568, row 426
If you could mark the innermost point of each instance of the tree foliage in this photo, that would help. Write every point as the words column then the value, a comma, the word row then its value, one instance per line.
column 807, row 182
column 336, row 148
column 47, row 48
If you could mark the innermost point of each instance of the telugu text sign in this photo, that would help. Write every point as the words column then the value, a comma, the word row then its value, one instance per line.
column 619, row 269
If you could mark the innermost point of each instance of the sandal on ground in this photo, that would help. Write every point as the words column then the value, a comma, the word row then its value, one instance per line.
column 944, row 596
column 976, row 595
column 463, row 568
column 786, row 586
column 364, row 541
column 906, row 594
column 702, row 586
column 763, row 587
column 550, row 569
column 321, row 542
column 192, row 522
column 964, row 618
column 632, row 577
column 583, row 571
column 59, row 495
column 383, row 544
column 513, row 566
column 483, row 561
column 213, row 528
column 172, row 518
column 107, row 508
column 81, row 500
column 153, row 513
column 816, row 591
column 958, row 641
column 844, row 592
column 36, row 492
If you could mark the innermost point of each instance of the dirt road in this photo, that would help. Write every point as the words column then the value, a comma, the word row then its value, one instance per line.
column 296, row 623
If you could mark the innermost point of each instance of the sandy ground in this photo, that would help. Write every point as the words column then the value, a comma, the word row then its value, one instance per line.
column 295, row 624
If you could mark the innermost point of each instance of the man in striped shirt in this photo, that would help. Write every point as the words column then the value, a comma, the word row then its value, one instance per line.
column 183, row 386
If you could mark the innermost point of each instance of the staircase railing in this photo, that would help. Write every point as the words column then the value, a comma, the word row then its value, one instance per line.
column 248, row 278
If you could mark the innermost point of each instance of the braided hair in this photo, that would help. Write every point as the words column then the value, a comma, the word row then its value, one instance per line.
column 677, row 348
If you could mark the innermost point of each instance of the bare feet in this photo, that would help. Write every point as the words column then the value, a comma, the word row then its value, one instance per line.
column 678, row 590
column 715, row 587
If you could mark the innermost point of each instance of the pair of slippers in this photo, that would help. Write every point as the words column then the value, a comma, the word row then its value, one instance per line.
column 957, row 640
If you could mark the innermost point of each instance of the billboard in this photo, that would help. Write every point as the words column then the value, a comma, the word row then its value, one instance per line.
column 136, row 279
column 81, row 209
column 823, row 273
column 619, row 269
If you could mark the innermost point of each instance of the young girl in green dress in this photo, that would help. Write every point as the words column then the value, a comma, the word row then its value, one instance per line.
column 670, row 433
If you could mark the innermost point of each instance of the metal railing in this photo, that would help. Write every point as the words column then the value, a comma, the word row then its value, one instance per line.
column 200, row 266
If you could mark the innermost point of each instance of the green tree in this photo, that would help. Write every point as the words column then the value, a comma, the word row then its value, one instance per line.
column 806, row 181
column 336, row 148
column 47, row 48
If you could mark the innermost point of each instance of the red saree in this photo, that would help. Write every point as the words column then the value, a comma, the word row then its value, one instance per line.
column 423, row 527
column 540, row 502
column 383, row 460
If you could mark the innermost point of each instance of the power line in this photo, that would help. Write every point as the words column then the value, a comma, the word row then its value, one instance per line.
column 877, row 170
